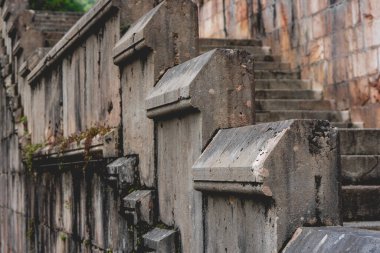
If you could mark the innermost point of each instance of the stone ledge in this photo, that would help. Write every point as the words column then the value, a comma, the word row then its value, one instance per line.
column 100, row 147
column 135, row 38
column 84, row 24
column 333, row 239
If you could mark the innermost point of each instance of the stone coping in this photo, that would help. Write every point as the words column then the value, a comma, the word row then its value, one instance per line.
column 133, row 39
column 76, row 33
column 174, row 86
column 106, row 144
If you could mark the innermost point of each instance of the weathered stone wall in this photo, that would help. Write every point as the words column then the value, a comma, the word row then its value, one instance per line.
column 62, row 204
column 113, row 143
column 13, row 193
column 334, row 43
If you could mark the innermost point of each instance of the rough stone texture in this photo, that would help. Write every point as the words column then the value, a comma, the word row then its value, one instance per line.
column 333, row 239
column 163, row 38
column 64, row 208
column 359, row 141
column 189, row 104
column 68, row 200
column 218, row 83
column 133, row 10
column 289, row 189
column 160, row 240
column 141, row 203
column 123, row 172
column 82, row 89
column 360, row 169
column 334, row 43
column 13, row 194
column 179, row 144
column 361, row 202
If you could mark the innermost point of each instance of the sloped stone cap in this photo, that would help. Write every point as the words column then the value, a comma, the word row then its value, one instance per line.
column 135, row 35
column 219, row 84
column 175, row 84
column 234, row 160
column 161, row 30
column 252, row 159
column 333, row 239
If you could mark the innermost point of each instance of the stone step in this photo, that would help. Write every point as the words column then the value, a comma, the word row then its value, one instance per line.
column 53, row 26
column 53, row 35
column 229, row 42
column 287, row 94
column 332, row 116
column 276, row 74
column 55, row 19
column 262, row 65
column 51, row 38
column 361, row 203
column 293, row 104
column 282, row 84
column 359, row 141
column 258, row 57
column 254, row 50
column 62, row 29
column 56, row 15
column 360, row 169
column 347, row 124
column 370, row 225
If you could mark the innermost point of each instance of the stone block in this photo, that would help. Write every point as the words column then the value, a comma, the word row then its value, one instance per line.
column 123, row 171
column 141, row 203
column 333, row 239
column 274, row 177
column 161, row 240
column 361, row 202
column 319, row 24
column 190, row 102
column 111, row 144
column 359, row 141
column 360, row 169
column 164, row 37
column 218, row 83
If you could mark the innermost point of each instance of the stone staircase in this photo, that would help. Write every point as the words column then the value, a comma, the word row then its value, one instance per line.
column 54, row 25
column 282, row 95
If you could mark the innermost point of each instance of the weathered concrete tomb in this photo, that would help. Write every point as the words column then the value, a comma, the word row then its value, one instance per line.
column 191, row 126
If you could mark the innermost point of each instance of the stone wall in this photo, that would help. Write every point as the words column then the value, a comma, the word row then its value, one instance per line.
column 121, row 139
column 334, row 43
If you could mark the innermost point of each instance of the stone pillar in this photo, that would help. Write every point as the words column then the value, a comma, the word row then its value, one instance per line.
column 262, row 182
column 189, row 104
column 163, row 38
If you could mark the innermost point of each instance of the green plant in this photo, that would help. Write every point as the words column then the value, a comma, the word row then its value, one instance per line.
column 30, row 231
column 63, row 237
column 87, row 243
column 61, row 5
column 24, row 120
column 28, row 152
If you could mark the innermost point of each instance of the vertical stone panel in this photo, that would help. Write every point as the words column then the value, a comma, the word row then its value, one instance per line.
column 180, row 143
column 133, row 96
